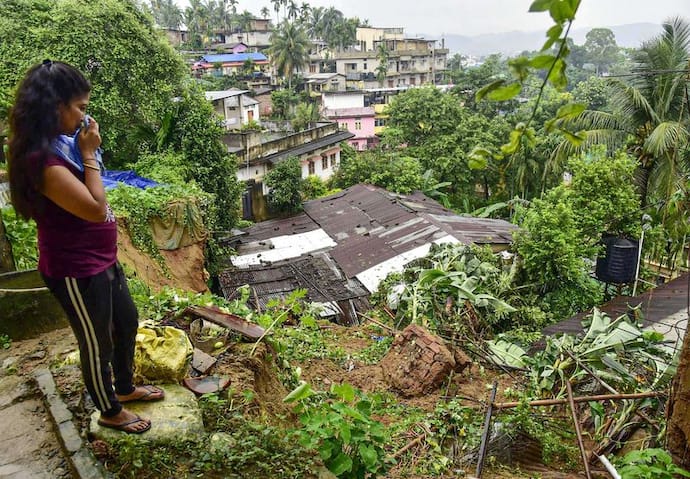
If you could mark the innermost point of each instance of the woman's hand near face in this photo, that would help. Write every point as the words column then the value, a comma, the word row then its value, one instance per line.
column 89, row 139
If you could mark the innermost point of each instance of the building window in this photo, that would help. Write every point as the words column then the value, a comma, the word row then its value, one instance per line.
column 380, row 122
column 324, row 162
column 343, row 126
column 312, row 170
column 332, row 160
column 364, row 66
column 358, row 124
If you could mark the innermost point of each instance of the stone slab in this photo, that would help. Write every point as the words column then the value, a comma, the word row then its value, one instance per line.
column 175, row 418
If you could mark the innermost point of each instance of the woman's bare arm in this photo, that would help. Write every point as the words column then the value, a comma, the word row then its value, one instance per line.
column 85, row 200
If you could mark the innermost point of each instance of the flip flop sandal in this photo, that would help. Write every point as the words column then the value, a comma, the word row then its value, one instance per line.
column 123, row 425
column 152, row 393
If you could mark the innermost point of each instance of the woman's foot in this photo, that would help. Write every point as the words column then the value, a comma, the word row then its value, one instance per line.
column 126, row 421
column 143, row 393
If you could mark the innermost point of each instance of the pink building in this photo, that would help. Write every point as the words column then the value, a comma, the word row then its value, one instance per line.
column 359, row 121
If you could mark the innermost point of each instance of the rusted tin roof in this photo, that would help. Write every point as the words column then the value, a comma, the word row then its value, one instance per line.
column 315, row 273
column 372, row 225
column 369, row 231
column 669, row 300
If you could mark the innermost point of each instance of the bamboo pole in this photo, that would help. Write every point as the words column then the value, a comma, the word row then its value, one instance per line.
column 600, row 397
column 578, row 432
column 379, row 323
column 485, row 434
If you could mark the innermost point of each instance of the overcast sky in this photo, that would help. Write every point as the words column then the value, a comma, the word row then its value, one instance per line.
column 473, row 17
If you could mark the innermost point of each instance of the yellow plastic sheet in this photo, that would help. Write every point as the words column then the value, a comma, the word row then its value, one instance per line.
column 162, row 354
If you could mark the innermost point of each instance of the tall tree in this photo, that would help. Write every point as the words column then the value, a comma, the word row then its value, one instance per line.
column 382, row 55
column 289, row 50
column 265, row 12
column 276, row 8
column 166, row 13
column 292, row 10
column 601, row 49
column 649, row 115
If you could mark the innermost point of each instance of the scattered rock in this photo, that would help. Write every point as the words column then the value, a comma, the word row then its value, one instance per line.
column 38, row 354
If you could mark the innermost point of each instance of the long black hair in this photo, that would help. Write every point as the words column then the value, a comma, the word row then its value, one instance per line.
column 34, row 124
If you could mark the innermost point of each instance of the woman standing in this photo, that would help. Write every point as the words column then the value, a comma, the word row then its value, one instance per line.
column 55, row 178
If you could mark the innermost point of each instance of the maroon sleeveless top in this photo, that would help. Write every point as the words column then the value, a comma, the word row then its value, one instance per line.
column 69, row 246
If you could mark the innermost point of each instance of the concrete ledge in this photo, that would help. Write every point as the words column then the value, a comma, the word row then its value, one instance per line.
column 83, row 463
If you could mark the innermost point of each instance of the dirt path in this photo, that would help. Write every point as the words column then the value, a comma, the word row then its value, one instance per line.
column 29, row 443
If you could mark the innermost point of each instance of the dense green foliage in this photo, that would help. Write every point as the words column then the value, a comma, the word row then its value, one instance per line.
column 339, row 425
column 560, row 233
column 649, row 464
column 134, row 71
column 192, row 128
column 22, row 236
column 387, row 169
column 284, row 181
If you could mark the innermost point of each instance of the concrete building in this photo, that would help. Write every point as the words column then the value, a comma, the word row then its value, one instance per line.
column 231, row 63
column 349, row 111
column 235, row 107
column 410, row 61
column 315, row 83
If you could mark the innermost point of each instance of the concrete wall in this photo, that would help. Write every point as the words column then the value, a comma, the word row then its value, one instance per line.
column 334, row 101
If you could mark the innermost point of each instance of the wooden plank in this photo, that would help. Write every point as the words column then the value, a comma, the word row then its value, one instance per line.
column 227, row 320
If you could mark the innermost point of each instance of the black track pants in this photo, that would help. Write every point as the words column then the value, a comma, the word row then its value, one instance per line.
column 104, row 320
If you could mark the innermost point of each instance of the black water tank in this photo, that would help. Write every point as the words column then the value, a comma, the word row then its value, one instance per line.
column 619, row 262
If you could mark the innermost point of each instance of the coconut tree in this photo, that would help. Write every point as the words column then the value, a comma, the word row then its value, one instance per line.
column 265, row 12
column 649, row 115
column 166, row 13
column 304, row 12
column 289, row 49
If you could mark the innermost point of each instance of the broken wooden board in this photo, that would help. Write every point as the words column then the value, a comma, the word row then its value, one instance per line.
column 207, row 384
column 202, row 362
column 228, row 320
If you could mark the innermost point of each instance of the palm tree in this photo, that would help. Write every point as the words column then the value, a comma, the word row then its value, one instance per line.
column 315, row 21
column 650, row 114
column 166, row 13
column 289, row 49
column 244, row 21
column 292, row 10
column 304, row 11
column 265, row 12
column 276, row 8
column 196, row 17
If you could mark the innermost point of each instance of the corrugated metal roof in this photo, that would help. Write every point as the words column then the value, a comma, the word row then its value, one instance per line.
column 220, row 94
column 233, row 57
column 282, row 247
column 264, row 230
column 657, row 305
column 328, row 140
column 315, row 273
column 372, row 225
column 373, row 233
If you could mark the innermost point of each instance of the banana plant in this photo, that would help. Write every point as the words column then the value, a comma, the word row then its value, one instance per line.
column 445, row 285
column 618, row 351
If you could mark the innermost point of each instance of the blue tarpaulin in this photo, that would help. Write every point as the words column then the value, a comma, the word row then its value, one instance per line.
column 112, row 178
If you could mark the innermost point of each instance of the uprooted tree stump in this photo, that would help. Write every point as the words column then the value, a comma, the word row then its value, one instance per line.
column 418, row 362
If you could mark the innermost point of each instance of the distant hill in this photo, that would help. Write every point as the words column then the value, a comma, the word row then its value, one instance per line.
column 512, row 43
